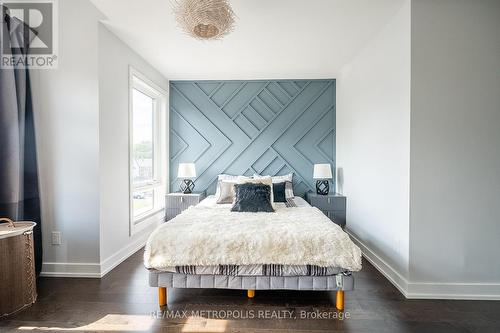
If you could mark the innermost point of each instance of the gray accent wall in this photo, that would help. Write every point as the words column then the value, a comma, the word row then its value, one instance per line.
column 244, row 127
column 418, row 149
column 455, row 148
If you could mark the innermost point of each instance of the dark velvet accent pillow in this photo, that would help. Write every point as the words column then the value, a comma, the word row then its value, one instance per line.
column 279, row 192
column 252, row 198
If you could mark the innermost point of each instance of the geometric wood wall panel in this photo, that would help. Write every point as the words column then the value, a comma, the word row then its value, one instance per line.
column 244, row 127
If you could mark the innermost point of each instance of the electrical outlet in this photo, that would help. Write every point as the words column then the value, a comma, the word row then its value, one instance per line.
column 56, row 238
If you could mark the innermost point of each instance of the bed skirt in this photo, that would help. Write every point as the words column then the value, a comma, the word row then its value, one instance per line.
column 176, row 280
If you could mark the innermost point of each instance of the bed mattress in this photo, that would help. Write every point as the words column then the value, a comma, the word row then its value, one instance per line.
column 256, row 270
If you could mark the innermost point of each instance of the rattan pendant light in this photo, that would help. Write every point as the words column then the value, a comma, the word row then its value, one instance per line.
column 204, row 19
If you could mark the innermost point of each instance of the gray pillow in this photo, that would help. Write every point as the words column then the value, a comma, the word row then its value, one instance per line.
column 279, row 179
column 226, row 192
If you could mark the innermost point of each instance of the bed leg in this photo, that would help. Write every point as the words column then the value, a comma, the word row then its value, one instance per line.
column 340, row 300
column 162, row 296
column 251, row 293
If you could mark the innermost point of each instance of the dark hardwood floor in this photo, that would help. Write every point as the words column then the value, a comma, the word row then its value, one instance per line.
column 123, row 302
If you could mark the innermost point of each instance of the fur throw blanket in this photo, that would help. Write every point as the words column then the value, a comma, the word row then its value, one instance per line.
column 213, row 235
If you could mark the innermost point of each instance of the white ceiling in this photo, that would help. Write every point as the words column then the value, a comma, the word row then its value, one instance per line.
column 272, row 38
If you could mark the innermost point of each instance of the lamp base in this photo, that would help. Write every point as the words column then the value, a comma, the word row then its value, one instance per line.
column 322, row 187
column 187, row 186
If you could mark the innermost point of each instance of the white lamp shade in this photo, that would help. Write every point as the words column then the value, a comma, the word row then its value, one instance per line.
column 186, row 170
column 322, row 171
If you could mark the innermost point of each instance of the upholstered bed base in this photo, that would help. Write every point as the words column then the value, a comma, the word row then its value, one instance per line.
column 177, row 280
column 164, row 280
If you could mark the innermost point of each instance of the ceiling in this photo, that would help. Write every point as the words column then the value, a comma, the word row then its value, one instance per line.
column 272, row 39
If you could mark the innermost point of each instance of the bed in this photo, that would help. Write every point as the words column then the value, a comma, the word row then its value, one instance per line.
column 207, row 246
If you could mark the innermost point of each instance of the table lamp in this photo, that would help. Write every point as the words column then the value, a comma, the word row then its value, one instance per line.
column 186, row 171
column 322, row 172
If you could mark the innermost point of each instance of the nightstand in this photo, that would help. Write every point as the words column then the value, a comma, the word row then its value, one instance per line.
column 332, row 205
column 176, row 202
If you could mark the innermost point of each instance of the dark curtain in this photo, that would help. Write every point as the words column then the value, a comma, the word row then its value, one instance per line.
column 19, row 197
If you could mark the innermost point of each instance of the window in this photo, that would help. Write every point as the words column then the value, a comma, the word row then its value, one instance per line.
column 148, row 151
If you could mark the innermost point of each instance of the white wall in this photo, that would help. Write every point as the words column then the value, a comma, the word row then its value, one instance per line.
column 114, row 61
column 373, row 141
column 67, row 124
column 81, row 112
column 455, row 149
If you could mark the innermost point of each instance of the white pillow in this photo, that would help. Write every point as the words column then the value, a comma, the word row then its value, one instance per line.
column 224, row 177
column 226, row 194
column 280, row 179
column 266, row 180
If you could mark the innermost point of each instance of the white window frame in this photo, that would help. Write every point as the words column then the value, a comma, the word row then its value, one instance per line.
column 160, row 182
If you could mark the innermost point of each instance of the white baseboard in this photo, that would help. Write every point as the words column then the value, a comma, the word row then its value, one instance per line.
column 398, row 280
column 428, row 290
column 464, row 291
column 71, row 269
column 92, row 270
column 111, row 262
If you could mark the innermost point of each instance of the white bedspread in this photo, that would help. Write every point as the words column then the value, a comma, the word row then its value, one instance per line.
column 210, row 234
